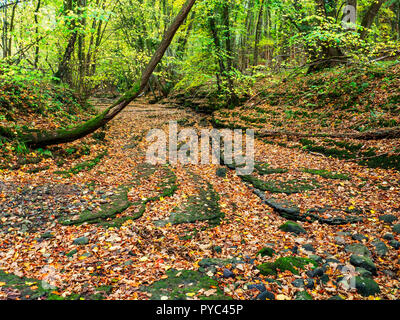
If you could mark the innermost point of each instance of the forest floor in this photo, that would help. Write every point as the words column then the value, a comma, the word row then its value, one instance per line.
column 98, row 222
column 142, row 259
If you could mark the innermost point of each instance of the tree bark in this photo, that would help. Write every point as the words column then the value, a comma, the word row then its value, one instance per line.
column 258, row 33
column 369, row 16
column 44, row 138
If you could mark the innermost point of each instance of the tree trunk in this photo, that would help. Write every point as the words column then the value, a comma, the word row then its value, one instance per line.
column 258, row 33
column 369, row 16
column 44, row 138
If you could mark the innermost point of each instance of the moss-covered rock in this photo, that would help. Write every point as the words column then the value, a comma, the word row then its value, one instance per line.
column 292, row 264
column 293, row 227
column 367, row 286
column 182, row 284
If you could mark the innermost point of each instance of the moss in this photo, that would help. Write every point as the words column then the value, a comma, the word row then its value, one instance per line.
column 292, row 264
column 263, row 169
column 84, row 166
column 119, row 203
column 32, row 289
column 266, row 251
column 327, row 174
column 106, row 214
column 180, row 283
column 287, row 187
column 201, row 207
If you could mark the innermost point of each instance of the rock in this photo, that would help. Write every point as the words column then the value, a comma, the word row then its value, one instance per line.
column 266, row 295
column 363, row 262
column 259, row 286
column 358, row 249
column 302, row 295
column 363, row 272
column 221, row 172
column 47, row 235
column 292, row 227
column 336, row 298
column 128, row 263
column 317, row 272
column 359, row 237
column 396, row 228
column 395, row 244
column 388, row 218
column 332, row 260
column 316, row 258
column 388, row 236
column 343, row 233
column 217, row 249
column 380, row 248
column 367, row 286
column 340, row 240
column 308, row 247
column 325, row 278
column 298, row 283
column 309, row 283
column 228, row 273
column 266, row 251
column 81, row 241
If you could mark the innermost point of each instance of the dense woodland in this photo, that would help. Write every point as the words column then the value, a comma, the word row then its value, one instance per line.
column 84, row 216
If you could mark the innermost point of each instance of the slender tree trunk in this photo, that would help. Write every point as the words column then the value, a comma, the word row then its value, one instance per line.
column 258, row 33
column 36, row 59
column 369, row 16
column 64, row 73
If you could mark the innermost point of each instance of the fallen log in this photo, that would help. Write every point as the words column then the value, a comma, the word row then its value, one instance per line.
column 389, row 133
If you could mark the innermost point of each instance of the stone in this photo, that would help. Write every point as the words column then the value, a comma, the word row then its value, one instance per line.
column 388, row 236
column 363, row 262
column 358, row 249
column 325, row 278
column 380, row 248
column 302, row 295
column 317, row 272
column 340, row 240
column 396, row 228
column 228, row 273
column 266, row 295
column 298, row 283
column 266, row 251
column 309, row 283
column 395, row 244
column 292, row 227
column 388, row 218
column 217, row 249
column 81, row 241
column 363, row 272
column 343, row 233
column 367, row 286
column 47, row 235
column 259, row 286
column 336, row 298
column 359, row 237
column 308, row 247
column 221, row 172
column 316, row 258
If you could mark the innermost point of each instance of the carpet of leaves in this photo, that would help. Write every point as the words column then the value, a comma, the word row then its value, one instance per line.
column 140, row 253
